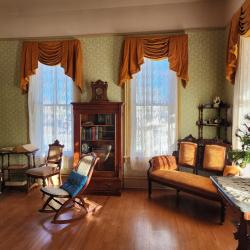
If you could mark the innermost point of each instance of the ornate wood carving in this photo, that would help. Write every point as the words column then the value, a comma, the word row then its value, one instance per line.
column 99, row 91
column 200, row 152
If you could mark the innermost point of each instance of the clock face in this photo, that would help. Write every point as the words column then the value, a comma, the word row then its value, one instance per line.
column 99, row 91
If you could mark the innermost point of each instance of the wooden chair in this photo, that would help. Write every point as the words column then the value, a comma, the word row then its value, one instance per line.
column 51, row 167
column 84, row 167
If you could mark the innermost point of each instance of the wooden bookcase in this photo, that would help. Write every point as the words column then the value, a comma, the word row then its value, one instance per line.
column 98, row 129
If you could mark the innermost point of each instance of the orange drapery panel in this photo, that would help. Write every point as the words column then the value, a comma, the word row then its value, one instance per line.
column 175, row 48
column 68, row 53
column 240, row 24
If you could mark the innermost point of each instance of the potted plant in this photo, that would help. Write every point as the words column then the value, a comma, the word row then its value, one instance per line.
column 241, row 157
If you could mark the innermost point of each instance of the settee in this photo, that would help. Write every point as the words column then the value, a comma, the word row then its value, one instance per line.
column 166, row 170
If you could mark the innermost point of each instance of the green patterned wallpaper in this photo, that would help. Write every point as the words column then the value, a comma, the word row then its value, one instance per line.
column 101, row 61
column 206, row 73
column 13, row 104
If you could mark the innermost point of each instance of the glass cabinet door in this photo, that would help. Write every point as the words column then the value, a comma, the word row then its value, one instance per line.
column 98, row 136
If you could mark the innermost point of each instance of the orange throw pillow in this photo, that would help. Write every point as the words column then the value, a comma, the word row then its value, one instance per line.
column 214, row 157
column 167, row 162
column 231, row 171
column 187, row 153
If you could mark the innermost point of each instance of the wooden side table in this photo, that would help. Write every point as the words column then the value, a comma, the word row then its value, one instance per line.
column 8, row 168
column 235, row 191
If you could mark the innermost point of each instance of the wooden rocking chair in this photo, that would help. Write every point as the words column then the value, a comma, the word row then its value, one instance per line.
column 85, row 167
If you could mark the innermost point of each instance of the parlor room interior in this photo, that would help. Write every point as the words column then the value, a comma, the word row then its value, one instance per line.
column 125, row 124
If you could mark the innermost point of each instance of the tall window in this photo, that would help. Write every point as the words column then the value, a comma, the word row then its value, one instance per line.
column 241, row 103
column 50, row 116
column 153, row 112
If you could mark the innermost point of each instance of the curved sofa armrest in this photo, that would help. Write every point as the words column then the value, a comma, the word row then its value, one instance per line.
column 162, row 162
column 231, row 170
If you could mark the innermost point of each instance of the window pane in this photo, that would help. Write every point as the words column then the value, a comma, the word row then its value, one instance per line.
column 48, row 122
column 64, row 88
column 50, row 112
column 63, row 125
column 153, row 111
column 47, row 79
column 153, row 83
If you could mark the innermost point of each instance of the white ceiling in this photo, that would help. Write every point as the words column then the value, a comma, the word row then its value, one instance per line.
column 36, row 18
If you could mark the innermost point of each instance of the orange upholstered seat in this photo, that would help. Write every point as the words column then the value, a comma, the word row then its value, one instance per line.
column 163, row 170
column 247, row 216
column 188, row 181
column 231, row 171
column 214, row 157
column 187, row 154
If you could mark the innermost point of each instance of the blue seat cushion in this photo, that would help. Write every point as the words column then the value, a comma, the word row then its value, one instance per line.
column 74, row 183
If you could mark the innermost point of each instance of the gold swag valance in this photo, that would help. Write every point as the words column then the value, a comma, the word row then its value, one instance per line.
column 175, row 48
column 68, row 53
column 240, row 25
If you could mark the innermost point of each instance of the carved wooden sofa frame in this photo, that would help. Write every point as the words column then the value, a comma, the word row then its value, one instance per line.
column 201, row 143
column 167, row 172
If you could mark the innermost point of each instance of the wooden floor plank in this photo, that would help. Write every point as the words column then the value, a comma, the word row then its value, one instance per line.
column 130, row 221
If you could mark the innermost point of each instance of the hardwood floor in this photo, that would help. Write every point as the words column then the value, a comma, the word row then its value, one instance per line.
column 131, row 221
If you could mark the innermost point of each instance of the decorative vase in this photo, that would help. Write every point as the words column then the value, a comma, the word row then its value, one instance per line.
column 245, row 172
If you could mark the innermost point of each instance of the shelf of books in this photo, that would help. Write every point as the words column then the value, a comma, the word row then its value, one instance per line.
column 97, row 128
column 98, row 136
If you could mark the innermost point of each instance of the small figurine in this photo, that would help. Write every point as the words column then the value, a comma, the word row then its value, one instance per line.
column 216, row 101
column 211, row 121
column 217, row 121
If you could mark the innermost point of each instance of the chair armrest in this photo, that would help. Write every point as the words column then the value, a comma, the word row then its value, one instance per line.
column 231, row 170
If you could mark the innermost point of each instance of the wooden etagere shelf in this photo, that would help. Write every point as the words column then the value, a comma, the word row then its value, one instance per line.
column 219, row 121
